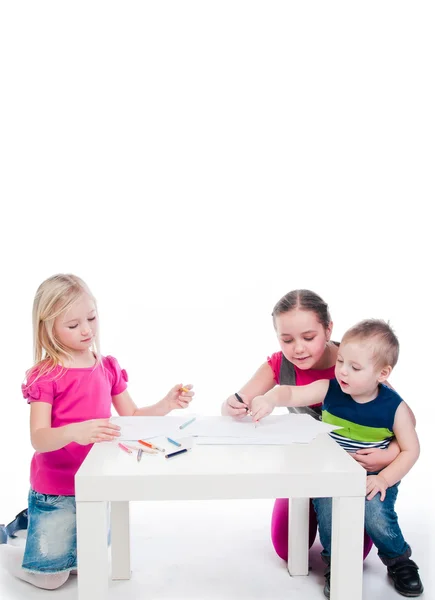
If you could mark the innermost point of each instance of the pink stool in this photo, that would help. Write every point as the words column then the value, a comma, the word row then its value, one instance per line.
column 280, row 529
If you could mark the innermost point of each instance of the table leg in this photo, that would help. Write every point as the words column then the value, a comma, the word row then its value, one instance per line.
column 298, row 525
column 120, row 532
column 92, row 560
column 347, row 548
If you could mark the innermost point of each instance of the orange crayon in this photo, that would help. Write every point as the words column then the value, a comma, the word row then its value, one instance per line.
column 152, row 446
column 147, row 444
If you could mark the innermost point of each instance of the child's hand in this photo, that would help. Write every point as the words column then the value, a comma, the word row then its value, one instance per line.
column 180, row 396
column 375, row 484
column 234, row 408
column 376, row 459
column 261, row 406
column 94, row 431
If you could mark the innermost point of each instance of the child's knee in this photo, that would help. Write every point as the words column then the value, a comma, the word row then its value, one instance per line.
column 375, row 515
column 323, row 508
column 374, row 507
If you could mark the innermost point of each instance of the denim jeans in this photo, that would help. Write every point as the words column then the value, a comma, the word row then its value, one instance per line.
column 51, row 544
column 380, row 522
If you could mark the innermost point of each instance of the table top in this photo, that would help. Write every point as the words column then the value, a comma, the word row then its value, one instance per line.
column 318, row 469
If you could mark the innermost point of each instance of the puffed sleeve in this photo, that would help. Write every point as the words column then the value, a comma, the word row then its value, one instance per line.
column 118, row 376
column 275, row 364
column 38, row 389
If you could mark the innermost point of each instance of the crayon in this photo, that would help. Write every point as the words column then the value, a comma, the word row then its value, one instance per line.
column 125, row 448
column 174, row 442
column 187, row 423
column 177, row 452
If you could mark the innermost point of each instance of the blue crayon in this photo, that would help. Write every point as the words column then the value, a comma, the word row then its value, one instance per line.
column 187, row 423
column 174, row 442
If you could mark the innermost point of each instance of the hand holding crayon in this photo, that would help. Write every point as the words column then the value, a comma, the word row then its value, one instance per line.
column 180, row 396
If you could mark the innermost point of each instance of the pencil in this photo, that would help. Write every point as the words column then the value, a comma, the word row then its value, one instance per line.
column 174, row 442
column 125, row 448
column 152, row 446
column 177, row 452
column 187, row 423
column 147, row 444
column 240, row 400
column 147, row 450
column 248, row 412
column 135, row 448
column 139, row 454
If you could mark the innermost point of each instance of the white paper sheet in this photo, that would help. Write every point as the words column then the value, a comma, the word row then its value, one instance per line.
column 294, row 426
column 144, row 428
column 274, row 429
column 265, row 441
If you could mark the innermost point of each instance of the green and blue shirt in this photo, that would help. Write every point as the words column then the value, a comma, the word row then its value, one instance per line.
column 368, row 425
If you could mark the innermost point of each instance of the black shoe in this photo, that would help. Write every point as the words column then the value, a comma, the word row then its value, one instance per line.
column 406, row 578
column 20, row 522
column 327, row 588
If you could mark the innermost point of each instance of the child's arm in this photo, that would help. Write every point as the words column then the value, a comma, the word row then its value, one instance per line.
column 375, row 459
column 46, row 438
column 289, row 395
column 261, row 382
column 175, row 398
column 407, row 439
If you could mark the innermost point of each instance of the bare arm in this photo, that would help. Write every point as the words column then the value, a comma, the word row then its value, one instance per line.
column 125, row 407
column 46, row 438
column 261, row 382
column 289, row 395
column 375, row 459
column 407, row 439
column 411, row 415
column 43, row 436
column 175, row 398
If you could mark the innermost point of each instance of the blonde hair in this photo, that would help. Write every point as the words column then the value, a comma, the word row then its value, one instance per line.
column 54, row 297
column 385, row 342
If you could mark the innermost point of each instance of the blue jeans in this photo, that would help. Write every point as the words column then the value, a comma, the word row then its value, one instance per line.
column 51, row 545
column 380, row 522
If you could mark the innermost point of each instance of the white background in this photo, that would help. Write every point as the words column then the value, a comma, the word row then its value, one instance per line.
column 193, row 162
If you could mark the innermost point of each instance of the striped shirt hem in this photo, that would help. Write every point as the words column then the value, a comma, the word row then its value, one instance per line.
column 353, row 445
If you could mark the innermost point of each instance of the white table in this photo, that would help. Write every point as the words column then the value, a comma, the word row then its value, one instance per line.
column 298, row 472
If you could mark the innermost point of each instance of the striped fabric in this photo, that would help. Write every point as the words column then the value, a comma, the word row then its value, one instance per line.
column 368, row 425
column 352, row 446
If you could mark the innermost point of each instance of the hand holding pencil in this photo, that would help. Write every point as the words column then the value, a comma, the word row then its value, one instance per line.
column 180, row 396
column 236, row 406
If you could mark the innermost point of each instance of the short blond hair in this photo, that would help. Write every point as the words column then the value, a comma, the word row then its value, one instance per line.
column 54, row 297
column 381, row 335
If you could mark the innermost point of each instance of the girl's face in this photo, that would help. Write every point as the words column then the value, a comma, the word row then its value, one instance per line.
column 77, row 327
column 302, row 338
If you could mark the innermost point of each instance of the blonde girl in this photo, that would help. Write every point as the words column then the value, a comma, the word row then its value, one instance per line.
column 71, row 389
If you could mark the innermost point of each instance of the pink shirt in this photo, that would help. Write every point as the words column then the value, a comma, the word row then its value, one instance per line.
column 75, row 395
column 303, row 377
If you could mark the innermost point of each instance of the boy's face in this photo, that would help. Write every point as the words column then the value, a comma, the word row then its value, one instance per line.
column 355, row 369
